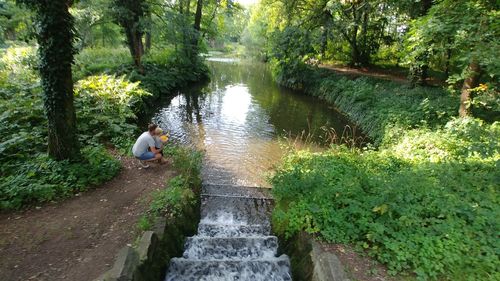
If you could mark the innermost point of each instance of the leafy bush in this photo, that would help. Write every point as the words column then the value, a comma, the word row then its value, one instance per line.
column 428, row 203
column 43, row 179
column 181, row 190
column 105, row 108
column 94, row 61
column 164, row 70
column 163, row 76
column 27, row 174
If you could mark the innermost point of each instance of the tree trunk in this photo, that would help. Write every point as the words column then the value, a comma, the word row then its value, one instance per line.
column 471, row 82
column 324, row 41
column 55, row 39
column 419, row 73
column 134, row 41
column 197, row 16
column 447, row 65
column 197, row 20
column 147, row 42
column 130, row 22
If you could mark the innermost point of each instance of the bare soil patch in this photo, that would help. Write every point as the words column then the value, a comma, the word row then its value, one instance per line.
column 358, row 266
column 396, row 75
column 78, row 239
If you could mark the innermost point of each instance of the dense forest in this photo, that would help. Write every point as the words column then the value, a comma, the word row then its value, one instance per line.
column 421, row 197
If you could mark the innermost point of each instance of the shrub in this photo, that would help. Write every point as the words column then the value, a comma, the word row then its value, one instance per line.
column 181, row 190
column 94, row 61
column 427, row 204
column 43, row 179
column 105, row 108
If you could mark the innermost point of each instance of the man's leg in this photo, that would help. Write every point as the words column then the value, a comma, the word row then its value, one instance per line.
column 159, row 157
column 146, row 157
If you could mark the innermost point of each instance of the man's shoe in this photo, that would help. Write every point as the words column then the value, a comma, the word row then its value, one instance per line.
column 143, row 164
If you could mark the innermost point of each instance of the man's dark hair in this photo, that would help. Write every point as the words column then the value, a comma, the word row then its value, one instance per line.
column 152, row 127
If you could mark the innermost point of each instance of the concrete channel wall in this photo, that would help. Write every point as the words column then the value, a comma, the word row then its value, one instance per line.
column 309, row 261
column 148, row 260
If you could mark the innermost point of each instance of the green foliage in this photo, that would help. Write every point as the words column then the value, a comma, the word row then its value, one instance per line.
column 92, row 61
column 426, row 203
column 181, row 190
column 92, row 21
column 188, row 162
column 381, row 108
column 163, row 70
column 15, row 22
column 42, row 179
column 466, row 29
column 105, row 109
column 165, row 76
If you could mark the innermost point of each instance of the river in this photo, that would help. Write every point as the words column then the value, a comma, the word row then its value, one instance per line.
column 240, row 119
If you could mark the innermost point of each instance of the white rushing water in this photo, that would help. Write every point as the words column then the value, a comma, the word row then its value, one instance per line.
column 233, row 240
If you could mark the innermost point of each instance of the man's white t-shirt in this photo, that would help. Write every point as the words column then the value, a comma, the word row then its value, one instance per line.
column 143, row 143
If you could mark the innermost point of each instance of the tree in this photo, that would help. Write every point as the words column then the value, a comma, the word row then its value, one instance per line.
column 95, row 24
column 129, row 15
column 470, row 82
column 197, row 22
column 469, row 28
column 55, row 34
column 418, row 72
column 361, row 24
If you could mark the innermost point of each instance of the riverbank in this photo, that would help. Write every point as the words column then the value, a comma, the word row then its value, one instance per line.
column 424, row 202
column 109, row 97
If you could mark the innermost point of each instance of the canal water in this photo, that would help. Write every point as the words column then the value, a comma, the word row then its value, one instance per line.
column 240, row 119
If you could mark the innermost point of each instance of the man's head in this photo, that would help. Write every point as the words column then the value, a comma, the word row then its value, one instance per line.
column 152, row 129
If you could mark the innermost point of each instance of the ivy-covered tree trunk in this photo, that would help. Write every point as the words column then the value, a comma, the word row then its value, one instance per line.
column 55, row 34
column 128, row 14
column 471, row 82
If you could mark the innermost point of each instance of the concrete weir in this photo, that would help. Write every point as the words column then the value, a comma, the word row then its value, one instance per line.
column 233, row 241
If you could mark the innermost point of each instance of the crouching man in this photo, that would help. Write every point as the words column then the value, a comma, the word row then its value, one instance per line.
column 145, row 149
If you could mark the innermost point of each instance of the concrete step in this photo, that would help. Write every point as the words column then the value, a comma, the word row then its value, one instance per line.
column 232, row 230
column 239, row 248
column 235, row 210
column 274, row 269
column 234, row 190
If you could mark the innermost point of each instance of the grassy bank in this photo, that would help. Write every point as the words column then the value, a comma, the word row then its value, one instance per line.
column 109, row 94
column 423, row 202
column 182, row 190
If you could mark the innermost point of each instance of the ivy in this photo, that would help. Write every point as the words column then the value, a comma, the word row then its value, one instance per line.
column 55, row 35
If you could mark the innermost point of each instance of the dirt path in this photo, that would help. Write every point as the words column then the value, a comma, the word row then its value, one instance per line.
column 396, row 75
column 78, row 239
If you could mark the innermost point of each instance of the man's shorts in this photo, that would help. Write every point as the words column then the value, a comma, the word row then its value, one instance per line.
column 147, row 156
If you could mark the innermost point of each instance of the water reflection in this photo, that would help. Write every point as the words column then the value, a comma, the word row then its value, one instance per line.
column 238, row 117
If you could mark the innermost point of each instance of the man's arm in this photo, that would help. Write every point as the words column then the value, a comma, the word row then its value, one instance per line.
column 154, row 150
